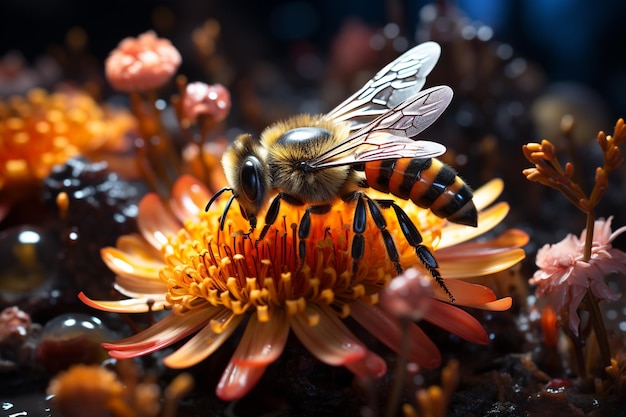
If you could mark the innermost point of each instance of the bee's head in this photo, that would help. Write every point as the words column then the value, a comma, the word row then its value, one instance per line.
column 245, row 166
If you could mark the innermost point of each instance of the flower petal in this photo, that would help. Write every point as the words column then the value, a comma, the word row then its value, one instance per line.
column 480, row 265
column 237, row 381
column 488, row 193
column 262, row 342
column 330, row 340
column 511, row 239
column 452, row 233
column 465, row 293
column 130, row 305
column 502, row 304
column 161, row 334
column 131, row 263
column 155, row 222
column 457, row 321
column 386, row 329
column 371, row 365
column 203, row 344
column 189, row 196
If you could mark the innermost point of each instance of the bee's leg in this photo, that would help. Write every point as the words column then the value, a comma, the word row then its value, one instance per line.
column 414, row 238
column 304, row 230
column 273, row 210
column 381, row 223
column 225, row 212
column 270, row 217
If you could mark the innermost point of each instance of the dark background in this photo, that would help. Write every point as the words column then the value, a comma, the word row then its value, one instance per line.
column 572, row 40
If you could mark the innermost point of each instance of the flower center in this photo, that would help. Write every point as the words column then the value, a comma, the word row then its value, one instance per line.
column 206, row 266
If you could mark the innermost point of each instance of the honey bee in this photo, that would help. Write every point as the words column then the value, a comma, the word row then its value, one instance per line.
column 368, row 141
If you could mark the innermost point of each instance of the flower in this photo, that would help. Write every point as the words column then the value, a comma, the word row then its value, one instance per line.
column 85, row 390
column 203, row 99
column 211, row 280
column 564, row 276
column 90, row 390
column 44, row 129
column 142, row 63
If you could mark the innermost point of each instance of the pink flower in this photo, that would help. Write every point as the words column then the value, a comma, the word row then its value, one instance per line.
column 565, row 277
column 142, row 63
column 203, row 99
column 408, row 295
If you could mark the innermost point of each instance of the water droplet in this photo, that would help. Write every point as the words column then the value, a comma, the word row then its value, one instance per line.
column 27, row 256
column 70, row 339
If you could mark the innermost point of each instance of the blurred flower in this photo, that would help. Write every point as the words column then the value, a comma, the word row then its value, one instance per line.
column 142, row 63
column 201, row 99
column 565, row 277
column 14, row 324
column 17, row 76
column 408, row 295
column 85, row 390
column 45, row 129
column 211, row 280
column 93, row 391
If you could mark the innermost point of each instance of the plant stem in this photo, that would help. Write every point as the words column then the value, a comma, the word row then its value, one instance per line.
column 595, row 315
column 400, row 371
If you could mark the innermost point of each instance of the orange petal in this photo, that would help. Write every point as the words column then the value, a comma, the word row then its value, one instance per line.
column 130, row 305
column 469, row 267
column 189, row 196
column 472, row 295
column 465, row 293
column 386, row 329
column 371, row 365
column 497, row 305
column 137, row 245
column 511, row 239
column 131, row 264
column 154, row 221
column 456, row 321
column 262, row 342
column 488, row 193
column 330, row 340
column 237, row 381
column 453, row 234
column 161, row 334
column 203, row 344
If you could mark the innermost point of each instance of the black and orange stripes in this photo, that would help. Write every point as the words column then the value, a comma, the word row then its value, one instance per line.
column 427, row 182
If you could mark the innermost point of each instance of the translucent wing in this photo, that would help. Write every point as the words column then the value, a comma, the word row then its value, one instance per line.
column 389, row 135
column 392, row 85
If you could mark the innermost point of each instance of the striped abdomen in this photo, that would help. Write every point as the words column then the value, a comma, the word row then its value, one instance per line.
column 427, row 182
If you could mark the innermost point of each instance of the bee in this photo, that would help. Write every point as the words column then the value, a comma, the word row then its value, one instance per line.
column 368, row 141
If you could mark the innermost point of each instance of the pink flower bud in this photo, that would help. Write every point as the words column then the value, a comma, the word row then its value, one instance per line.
column 142, row 63
column 203, row 99
column 408, row 295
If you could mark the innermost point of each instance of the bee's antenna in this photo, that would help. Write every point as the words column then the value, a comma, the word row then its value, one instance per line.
column 226, row 208
column 216, row 195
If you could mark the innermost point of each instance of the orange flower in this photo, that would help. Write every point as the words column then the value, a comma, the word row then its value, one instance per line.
column 45, row 129
column 211, row 280
column 142, row 63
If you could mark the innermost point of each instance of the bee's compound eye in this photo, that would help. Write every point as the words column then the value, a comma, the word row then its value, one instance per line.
column 250, row 179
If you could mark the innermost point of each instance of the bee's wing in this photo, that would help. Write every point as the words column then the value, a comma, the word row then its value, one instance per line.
column 389, row 135
column 392, row 85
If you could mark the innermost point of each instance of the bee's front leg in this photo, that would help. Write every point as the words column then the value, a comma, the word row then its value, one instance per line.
column 304, row 230
column 272, row 213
